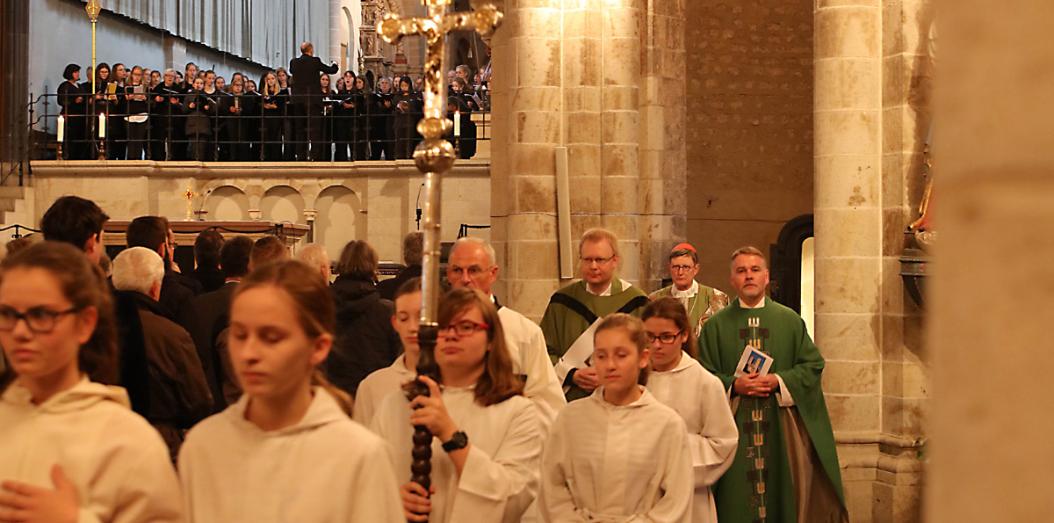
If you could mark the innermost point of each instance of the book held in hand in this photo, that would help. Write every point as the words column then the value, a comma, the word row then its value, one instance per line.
column 753, row 361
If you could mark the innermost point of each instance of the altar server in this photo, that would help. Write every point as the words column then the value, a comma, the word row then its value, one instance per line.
column 72, row 449
column 618, row 455
column 286, row 451
column 681, row 383
column 487, row 436
column 381, row 383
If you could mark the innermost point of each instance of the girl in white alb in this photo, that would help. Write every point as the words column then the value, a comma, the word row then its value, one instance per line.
column 287, row 450
column 618, row 455
column 71, row 449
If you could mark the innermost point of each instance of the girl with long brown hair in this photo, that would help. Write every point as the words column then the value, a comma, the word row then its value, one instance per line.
column 486, row 435
column 285, row 451
column 72, row 447
column 681, row 383
column 619, row 454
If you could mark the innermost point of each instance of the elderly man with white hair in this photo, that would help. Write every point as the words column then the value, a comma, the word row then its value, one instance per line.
column 173, row 394
column 315, row 256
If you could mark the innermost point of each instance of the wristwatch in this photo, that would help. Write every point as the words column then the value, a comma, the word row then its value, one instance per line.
column 456, row 442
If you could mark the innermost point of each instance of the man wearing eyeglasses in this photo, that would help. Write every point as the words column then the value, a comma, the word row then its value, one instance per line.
column 573, row 311
column 472, row 264
column 700, row 301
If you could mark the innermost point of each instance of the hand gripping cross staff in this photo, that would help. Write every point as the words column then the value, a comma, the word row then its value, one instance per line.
column 433, row 156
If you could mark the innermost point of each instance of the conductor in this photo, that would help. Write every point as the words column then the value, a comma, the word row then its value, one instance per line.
column 307, row 100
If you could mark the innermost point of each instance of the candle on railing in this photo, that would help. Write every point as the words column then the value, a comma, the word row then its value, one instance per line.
column 62, row 128
column 457, row 124
column 102, row 125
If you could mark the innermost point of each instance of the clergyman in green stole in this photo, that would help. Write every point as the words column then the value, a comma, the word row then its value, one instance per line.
column 786, row 469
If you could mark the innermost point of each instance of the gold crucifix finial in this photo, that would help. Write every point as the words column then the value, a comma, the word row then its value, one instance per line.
column 93, row 8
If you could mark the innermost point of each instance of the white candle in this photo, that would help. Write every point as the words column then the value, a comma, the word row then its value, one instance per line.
column 457, row 124
column 62, row 128
column 102, row 125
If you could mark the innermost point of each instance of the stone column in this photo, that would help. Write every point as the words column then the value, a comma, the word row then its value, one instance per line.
column 991, row 307
column 848, row 224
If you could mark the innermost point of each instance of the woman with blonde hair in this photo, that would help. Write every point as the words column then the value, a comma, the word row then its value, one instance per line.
column 73, row 450
column 486, row 434
column 286, row 451
column 681, row 383
column 619, row 454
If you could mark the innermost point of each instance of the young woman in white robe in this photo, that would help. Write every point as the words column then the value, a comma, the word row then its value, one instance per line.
column 618, row 455
column 71, row 449
column 287, row 450
column 492, row 433
column 680, row 382
column 381, row 383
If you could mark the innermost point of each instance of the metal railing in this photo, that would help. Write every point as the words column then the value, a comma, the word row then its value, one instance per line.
column 166, row 125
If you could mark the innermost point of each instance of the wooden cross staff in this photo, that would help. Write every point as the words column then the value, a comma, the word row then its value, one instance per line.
column 433, row 156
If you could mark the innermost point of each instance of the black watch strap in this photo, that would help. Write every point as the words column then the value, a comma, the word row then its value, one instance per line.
column 456, row 442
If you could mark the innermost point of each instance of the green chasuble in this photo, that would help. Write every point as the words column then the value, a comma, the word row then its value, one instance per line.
column 707, row 302
column 573, row 309
column 782, row 437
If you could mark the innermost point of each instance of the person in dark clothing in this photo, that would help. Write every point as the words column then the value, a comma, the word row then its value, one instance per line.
column 166, row 120
column 212, row 316
column 407, row 109
column 413, row 247
column 365, row 340
column 380, row 123
column 307, row 97
column 266, row 250
column 465, row 141
column 343, row 117
column 177, row 291
column 273, row 100
column 199, row 109
column 207, row 260
column 137, row 120
column 177, row 395
column 116, row 128
column 78, row 222
column 74, row 107
column 235, row 108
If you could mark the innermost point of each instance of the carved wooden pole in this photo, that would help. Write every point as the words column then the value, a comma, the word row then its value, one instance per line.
column 433, row 157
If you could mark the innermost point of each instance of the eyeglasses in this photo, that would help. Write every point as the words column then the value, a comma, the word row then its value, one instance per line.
column 681, row 268
column 38, row 319
column 665, row 338
column 472, row 271
column 464, row 328
column 596, row 260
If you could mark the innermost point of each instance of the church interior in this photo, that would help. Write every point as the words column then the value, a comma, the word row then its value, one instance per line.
column 806, row 128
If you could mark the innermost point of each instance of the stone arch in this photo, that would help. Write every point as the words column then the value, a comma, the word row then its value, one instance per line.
column 226, row 202
column 282, row 203
column 340, row 218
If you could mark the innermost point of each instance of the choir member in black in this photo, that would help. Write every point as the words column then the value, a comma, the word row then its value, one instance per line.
column 234, row 107
column 199, row 107
column 116, row 128
column 190, row 72
column 214, row 98
column 466, row 142
column 343, row 115
column 459, row 88
column 167, row 136
column 273, row 101
column 253, row 116
column 74, row 105
column 381, row 125
column 155, row 78
column 322, row 149
column 221, row 84
column 138, row 119
column 288, row 113
column 407, row 114
column 361, row 119
column 100, row 103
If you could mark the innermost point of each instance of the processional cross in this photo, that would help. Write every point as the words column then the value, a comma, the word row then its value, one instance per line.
column 433, row 156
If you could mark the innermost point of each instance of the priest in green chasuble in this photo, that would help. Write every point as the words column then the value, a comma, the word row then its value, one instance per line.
column 574, row 311
column 785, row 469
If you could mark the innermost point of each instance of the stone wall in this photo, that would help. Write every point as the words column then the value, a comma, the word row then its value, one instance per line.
column 749, row 125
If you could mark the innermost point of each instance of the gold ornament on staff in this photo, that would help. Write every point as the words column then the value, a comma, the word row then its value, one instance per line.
column 433, row 157
column 189, row 196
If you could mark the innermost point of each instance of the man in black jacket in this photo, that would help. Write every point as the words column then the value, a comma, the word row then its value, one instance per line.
column 177, row 290
column 307, row 99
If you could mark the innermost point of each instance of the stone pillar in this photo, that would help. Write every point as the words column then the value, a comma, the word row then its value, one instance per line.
column 848, row 224
column 991, row 307
column 572, row 76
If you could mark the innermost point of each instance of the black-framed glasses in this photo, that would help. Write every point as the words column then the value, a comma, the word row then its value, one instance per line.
column 464, row 327
column 40, row 320
column 681, row 268
column 665, row 338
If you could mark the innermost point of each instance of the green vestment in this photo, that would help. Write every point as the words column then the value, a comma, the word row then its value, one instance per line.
column 707, row 302
column 799, row 364
column 564, row 320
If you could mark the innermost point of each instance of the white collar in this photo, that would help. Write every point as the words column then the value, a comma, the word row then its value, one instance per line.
column 607, row 291
column 690, row 293
column 760, row 305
